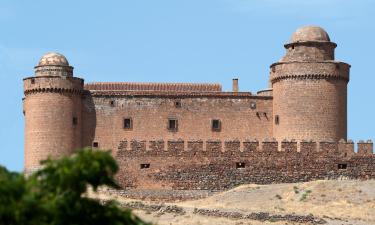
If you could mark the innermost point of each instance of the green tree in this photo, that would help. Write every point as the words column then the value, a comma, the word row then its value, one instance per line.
column 56, row 193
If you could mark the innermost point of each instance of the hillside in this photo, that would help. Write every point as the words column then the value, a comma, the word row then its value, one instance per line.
column 317, row 202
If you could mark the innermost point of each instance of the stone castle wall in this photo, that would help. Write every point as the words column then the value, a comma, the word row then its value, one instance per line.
column 50, row 106
column 104, row 116
column 219, row 165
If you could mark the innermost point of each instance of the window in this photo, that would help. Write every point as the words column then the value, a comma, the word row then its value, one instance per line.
column 253, row 105
column 32, row 81
column 128, row 123
column 216, row 125
column 240, row 165
column 75, row 120
column 177, row 104
column 277, row 120
column 172, row 124
column 112, row 103
column 342, row 166
column 95, row 144
column 145, row 165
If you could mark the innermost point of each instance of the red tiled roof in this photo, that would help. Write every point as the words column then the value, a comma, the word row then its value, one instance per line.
column 174, row 87
column 169, row 94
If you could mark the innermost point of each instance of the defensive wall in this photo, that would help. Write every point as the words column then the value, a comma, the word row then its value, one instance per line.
column 219, row 165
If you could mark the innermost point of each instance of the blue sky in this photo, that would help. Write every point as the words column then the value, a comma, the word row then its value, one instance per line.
column 177, row 41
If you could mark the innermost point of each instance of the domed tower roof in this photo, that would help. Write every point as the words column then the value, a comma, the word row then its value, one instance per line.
column 310, row 34
column 53, row 59
column 53, row 64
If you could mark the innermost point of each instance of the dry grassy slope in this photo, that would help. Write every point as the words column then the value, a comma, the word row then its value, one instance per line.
column 351, row 201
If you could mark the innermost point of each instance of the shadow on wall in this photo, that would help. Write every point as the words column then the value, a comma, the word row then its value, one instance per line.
column 89, row 120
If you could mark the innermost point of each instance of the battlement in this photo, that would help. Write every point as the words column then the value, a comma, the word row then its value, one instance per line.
column 52, row 84
column 216, row 148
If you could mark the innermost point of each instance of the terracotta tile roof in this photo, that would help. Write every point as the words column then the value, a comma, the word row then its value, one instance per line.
column 174, row 94
column 162, row 87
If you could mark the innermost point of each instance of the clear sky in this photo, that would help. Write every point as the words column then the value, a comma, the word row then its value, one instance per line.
column 177, row 41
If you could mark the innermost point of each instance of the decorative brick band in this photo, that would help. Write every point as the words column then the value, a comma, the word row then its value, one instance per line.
column 309, row 76
column 54, row 90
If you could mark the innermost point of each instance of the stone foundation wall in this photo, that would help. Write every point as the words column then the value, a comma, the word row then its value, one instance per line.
column 219, row 165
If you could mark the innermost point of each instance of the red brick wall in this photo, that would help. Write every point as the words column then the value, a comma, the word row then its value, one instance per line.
column 310, row 99
column 50, row 104
column 104, row 123
column 215, row 167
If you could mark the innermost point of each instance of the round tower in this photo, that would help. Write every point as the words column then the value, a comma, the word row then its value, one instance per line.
column 310, row 89
column 52, row 109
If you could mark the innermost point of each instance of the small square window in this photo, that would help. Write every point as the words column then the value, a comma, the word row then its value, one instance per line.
column 95, row 144
column 216, row 125
column 177, row 104
column 128, row 123
column 75, row 120
column 145, row 165
column 342, row 166
column 277, row 120
column 240, row 165
column 172, row 124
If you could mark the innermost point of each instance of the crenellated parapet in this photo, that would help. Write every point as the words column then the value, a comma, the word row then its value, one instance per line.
column 309, row 70
column 53, row 84
column 222, row 148
column 222, row 164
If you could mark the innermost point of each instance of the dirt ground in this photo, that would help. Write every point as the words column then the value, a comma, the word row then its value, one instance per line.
column 334, row 201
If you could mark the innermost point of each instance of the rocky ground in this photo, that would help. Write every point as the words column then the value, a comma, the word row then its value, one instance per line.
column 319, row 202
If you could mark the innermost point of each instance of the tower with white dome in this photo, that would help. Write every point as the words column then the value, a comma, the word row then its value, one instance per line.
column 309, row 89
column 53, row 111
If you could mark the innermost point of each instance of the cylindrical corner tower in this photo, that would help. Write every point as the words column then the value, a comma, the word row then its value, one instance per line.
column 310, row 89
column 52, row 109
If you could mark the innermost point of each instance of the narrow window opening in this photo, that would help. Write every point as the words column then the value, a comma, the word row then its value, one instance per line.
column 253, row 105
column 292, row 46
column 128, row 123
column 95, row 144
column 145, row 165
column 32, row 81
column 75, row 120
column 172, row 124
column 240, row 165
column 277, row 120
column 112, row 103
column 342, row 166
column 177, row 104
column 216, row 125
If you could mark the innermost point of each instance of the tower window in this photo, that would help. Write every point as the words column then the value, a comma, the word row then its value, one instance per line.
column 128, row 123
column 216, row 125
column 240, row 165
column 253, row 105
column 32, row 81
column 95, row 144
column 177, row 104
column 172, row 124
column 75, row 120
column 145, row 165
column 112, row 103
column 342, row 166
column 277, row 120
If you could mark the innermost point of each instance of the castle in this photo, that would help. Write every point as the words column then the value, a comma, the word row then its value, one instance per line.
column 196, row 136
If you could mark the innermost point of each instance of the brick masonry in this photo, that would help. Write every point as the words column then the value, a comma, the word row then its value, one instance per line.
column 216, row 166
column 306, row 100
